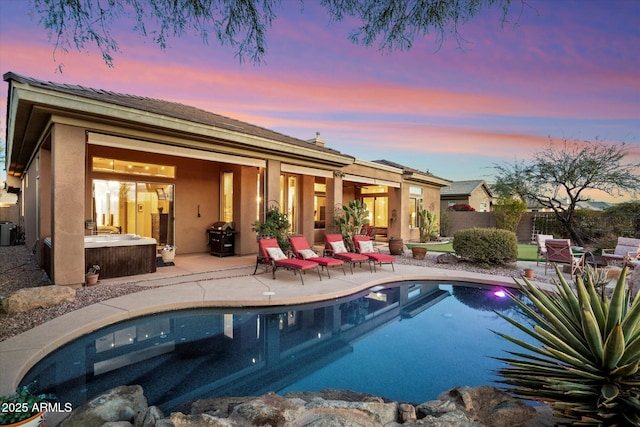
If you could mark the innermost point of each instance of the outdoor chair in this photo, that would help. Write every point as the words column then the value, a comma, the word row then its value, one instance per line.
column 272, row 254
column 302, row 250
column 627, row 249
column 559, row 251
column 364, row 246
column 542, row 249
column 335, row 247
column 369, row 230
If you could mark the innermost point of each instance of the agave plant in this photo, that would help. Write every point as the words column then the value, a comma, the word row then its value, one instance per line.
column 586, row 368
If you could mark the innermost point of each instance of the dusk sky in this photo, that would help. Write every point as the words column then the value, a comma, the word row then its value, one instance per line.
column 568, row 70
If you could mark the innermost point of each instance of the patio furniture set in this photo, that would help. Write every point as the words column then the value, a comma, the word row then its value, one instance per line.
column 561, row 251
column 303, row 257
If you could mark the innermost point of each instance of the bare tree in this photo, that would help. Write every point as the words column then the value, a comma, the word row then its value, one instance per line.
column 560, row 176
column 242, row 24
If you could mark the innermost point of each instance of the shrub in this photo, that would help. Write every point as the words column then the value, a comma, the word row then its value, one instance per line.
column 508, row 212
column 586, row 364
column 486, row 245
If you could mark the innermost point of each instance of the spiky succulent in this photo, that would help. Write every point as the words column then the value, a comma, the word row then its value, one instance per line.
column 586, row 367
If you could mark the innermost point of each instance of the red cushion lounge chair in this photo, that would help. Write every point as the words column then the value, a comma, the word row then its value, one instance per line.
column 364, row 246
column 272, row 254
column 335, row 241
column 302, row 250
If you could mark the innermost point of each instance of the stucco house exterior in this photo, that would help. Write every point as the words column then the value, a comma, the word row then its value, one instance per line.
column 89, row 161
column 476, row 193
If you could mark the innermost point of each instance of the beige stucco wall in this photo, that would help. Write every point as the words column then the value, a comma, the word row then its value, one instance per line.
column 67, row 219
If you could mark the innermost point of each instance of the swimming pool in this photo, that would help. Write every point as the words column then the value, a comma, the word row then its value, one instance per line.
column 405, row 341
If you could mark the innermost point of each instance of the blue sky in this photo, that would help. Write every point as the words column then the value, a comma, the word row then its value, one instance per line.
column 559, row 70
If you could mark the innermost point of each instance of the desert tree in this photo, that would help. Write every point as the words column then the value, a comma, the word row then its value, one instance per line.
column 562, row 175
column 243, row 24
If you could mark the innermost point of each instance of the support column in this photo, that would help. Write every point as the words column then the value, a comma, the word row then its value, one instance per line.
column 244, row 208
column 67, row 204
column 334, row 197
column 272, row 183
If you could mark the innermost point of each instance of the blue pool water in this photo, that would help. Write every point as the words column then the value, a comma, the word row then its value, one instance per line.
column 407, row 341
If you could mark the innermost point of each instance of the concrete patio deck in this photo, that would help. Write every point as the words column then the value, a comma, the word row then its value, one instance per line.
column 202, row 280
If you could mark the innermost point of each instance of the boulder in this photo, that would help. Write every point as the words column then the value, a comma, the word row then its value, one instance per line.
column 148, row 417
column 447, row 259
column 122, row 403
column 38, row 297
column 490, row 406
column 178, row 419
column 268, row 409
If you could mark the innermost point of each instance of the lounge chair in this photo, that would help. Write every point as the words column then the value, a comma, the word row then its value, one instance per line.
column 542, row 249
column 364, row 246
column 627, row 249
column 559, row 251
column 335, row 247
column 302, row 250
column 272, row 254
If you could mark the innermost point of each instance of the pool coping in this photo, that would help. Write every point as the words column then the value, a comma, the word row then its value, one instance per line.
column 20, row 353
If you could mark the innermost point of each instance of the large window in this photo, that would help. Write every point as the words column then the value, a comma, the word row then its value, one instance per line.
column 134, row 207
column 377, row 201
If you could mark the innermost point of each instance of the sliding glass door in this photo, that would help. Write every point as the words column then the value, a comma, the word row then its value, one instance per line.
column 133, row 207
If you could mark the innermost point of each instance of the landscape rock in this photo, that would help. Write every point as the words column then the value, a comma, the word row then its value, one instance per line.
column 178, row 419
column 492, row 407
column 122, row 403
column 268, row 409
column 447, row 259
column 334, row 394
column 38, row 297
column 406, row 412
column 148, row 417
column 460, row 407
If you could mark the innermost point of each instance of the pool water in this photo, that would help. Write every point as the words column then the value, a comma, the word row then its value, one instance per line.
column 406, row 341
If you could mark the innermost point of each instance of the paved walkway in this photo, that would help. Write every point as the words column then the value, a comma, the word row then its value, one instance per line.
column 205, row 281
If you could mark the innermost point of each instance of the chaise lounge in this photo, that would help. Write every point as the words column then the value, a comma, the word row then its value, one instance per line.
column 335, row 247
column 272, row 254
column 302, row 250
column 364, row 246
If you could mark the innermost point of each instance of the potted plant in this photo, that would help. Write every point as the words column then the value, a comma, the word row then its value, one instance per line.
column 91, row 278
column 168, row 253
column 276, row 224
column 418, row 252
column 396, row 245
column 24, row 408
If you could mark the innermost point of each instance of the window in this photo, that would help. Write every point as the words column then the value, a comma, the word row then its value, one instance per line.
column 134, row 207
column 289, row 199
column 101, row 164
column 415, row 204
column 377, row 203
column 226, row 195
column 319, row 203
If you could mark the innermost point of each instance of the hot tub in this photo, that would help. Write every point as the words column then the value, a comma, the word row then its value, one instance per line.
column 120, row 254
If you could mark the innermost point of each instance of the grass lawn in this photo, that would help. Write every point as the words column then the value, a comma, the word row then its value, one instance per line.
column 526, row 252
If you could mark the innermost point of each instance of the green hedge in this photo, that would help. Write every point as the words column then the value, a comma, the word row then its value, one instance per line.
column 486, row 245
